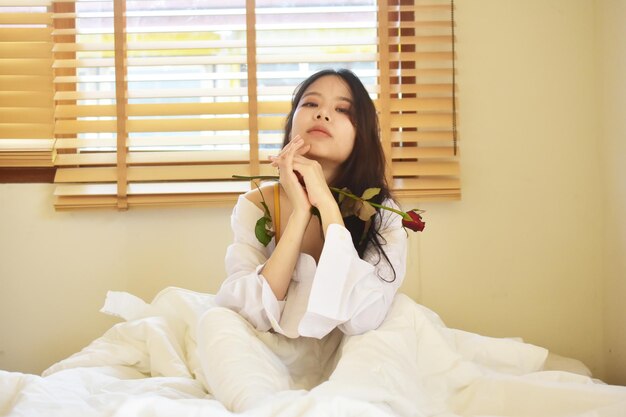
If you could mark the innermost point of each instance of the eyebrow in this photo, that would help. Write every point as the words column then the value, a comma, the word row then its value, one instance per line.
column 314, row 93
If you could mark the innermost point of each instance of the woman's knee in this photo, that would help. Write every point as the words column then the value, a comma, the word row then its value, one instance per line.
column 221, row 320
column 217, row 312
column 220, row 315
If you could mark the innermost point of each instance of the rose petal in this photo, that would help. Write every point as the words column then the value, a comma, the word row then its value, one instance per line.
column 416, row 223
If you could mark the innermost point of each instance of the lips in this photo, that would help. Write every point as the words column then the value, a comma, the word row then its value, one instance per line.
column 319, row 130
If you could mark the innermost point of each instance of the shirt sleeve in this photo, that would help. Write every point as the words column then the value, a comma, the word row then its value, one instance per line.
column 245, row 290
column 351, row 293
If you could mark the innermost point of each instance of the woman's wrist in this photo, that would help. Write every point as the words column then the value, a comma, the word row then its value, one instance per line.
column 330, row 214
column 300, row 218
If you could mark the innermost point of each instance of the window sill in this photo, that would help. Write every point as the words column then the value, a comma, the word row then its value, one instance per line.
column 20, row 175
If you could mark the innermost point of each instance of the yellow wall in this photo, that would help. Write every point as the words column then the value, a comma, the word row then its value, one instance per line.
column 521, row 255
column 611, row 18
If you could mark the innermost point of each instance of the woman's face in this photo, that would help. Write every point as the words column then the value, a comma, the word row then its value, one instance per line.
column 322, row 118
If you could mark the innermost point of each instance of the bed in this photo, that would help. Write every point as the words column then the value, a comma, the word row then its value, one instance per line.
column 148, row 365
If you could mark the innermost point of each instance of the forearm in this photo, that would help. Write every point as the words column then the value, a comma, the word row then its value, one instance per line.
column 279, row 267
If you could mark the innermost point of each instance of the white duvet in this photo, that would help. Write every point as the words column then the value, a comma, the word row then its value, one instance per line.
column 413, row 365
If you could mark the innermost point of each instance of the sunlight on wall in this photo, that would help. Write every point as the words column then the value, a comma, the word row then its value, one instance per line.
column 610, row 17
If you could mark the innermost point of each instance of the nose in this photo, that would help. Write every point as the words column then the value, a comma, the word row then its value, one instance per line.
column 320, row 116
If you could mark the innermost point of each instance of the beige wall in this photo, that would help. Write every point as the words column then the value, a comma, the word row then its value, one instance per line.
column 610, row 18
column 521, row 255
column 56, row 267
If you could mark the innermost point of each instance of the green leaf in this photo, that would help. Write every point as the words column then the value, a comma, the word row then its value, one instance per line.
column 260, row 231
column 370, row 193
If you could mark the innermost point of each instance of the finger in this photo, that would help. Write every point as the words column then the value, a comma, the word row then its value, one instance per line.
column 285, row 158
column 289, row 149
column 308, row 168
column 303, row 160
column 302, row 150
column 291, row 152
column 298, row 143
column 296, row 140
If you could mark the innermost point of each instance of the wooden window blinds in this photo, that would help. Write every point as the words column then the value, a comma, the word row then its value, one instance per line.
column 159, row 103
column 26, row 87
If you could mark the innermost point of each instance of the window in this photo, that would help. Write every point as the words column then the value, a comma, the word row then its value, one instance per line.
column 162, row 102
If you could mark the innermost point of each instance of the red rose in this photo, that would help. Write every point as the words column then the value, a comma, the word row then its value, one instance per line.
column 416, row 224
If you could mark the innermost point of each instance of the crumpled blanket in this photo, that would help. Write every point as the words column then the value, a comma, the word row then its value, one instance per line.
column 412, row 365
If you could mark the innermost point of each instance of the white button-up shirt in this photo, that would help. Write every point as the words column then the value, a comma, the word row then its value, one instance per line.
column 342, row 290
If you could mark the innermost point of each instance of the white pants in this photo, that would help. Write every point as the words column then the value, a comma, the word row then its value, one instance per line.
column 244, row 367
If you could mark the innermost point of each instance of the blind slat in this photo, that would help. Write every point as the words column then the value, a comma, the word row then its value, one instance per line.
column 414, row 168
column 197, row 140
column 70, row 197
column 82, row 190
column 26, row 66
column 221, row 44
column 173, row 109
column 31, row 83
column 26, row 99
column 215, row 60
column 161, row 157
column 152, row 93
column 422, row 152
column 420, row 24
column 26, row 130
column 414, row 137
column 421, row 104
column 420, row 120
column 421, row 88
column 40, row 115
column 421, row 56
column 19, row 34
column 26, row 50
column 160, row 173
column 64, row 127
column 7, row 18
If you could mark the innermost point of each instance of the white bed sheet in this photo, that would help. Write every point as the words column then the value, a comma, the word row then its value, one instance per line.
column 148, row 365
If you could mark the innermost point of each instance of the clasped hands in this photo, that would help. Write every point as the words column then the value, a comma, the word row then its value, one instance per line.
column 302, row 178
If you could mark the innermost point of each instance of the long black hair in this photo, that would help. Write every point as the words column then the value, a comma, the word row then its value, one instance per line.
column 365, row 166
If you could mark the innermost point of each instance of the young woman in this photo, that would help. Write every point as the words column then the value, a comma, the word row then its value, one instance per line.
column 319, row 278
